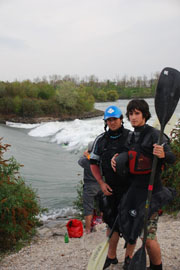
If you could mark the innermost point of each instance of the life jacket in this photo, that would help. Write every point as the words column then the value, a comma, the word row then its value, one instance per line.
column 110, row 146
column 140, row 159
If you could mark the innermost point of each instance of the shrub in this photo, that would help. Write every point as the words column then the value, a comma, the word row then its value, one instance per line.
column 112, row 95
column 17, row 102
column 19, row 204
column 49, row 107
column 171, row 175
column 31, row 108
column 6, row 105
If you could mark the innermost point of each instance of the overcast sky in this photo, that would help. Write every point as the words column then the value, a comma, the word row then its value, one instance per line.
column 105, row 38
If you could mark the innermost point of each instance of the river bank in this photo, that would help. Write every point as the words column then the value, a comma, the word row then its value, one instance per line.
column 48, row 250
column 35, row 120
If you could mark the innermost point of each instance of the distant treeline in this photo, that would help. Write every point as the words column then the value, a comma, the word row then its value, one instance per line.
column 68, row 95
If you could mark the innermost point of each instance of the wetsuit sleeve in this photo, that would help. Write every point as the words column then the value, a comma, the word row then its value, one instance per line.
column 169, row 156
column 95, row 153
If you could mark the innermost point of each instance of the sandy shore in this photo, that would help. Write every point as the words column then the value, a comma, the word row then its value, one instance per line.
column 49, row 252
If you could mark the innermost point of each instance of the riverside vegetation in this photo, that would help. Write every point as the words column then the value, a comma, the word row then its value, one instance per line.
column 19, row 205
column 67, row 97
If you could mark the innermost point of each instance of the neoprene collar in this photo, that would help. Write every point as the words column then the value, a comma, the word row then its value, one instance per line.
column 115, row 134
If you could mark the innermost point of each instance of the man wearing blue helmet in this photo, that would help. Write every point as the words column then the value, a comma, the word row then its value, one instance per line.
column 113, row 187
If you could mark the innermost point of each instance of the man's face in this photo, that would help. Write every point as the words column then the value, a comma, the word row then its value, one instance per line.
column 114, row 123
column 136, row 118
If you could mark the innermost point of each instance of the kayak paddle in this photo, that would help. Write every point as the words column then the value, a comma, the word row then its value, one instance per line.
column 99, row 254
column 166, row 99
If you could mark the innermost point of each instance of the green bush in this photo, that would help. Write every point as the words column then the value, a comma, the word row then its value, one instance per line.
column 112, row 95
column 31, row 108
column 49, row 107
column 6, row 105
column 19, row 204
column 171, row 175
column 101, row 96
column 17, row 102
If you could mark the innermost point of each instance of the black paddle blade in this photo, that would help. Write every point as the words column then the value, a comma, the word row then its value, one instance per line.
column 138, row 261
column 167, row 94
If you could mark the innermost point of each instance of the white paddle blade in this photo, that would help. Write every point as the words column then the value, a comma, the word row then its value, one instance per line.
column 98, row 256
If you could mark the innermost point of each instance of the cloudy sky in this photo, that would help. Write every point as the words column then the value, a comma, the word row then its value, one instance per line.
column 105, row 38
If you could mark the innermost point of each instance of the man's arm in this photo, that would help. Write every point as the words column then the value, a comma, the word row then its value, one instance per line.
column 106, row 189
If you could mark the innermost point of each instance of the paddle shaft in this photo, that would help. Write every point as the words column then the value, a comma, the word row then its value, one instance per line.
column 113, row 227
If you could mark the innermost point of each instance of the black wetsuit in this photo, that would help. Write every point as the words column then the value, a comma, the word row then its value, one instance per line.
column 106, row 145
column 131, row 209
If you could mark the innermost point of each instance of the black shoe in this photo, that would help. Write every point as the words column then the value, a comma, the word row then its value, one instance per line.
column 109, row 261
column 126, row 263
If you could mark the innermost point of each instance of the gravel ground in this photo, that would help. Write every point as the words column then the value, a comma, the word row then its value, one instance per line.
column 49, row 252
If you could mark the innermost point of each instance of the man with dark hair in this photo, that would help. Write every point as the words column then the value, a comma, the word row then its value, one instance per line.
column 112, row 186
column 142, row 146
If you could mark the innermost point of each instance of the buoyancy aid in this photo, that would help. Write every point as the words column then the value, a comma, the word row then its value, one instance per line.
column 110, row 145
column 140, row 153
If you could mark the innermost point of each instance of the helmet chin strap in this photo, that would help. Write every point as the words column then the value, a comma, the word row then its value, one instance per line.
column 105, row 125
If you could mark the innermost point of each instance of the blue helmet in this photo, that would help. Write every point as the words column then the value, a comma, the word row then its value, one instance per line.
column 112, row 111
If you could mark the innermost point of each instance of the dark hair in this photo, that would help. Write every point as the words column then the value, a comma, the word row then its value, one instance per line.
column 140, row 105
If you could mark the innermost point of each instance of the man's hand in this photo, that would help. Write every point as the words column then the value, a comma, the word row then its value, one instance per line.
column 106, row 189
column 113, row 162
column 158, row 151
column 86, row 154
